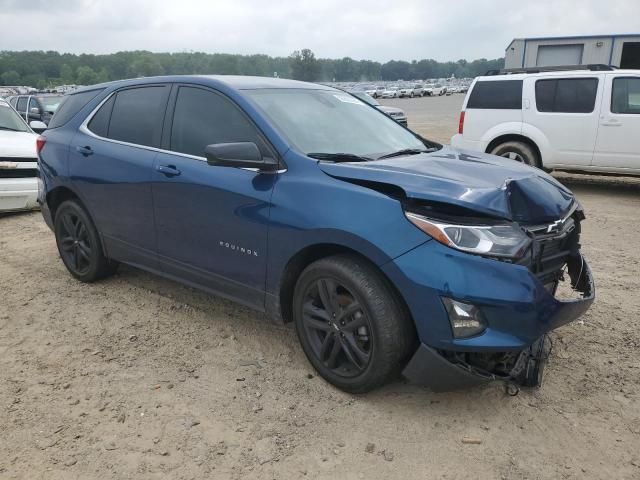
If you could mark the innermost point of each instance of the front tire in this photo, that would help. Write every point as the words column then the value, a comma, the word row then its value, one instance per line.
column 79, row 243
column 518, row 151
column 350, row 323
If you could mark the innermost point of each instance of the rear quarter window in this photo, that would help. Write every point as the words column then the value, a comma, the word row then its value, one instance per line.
column 71, row 105
column 497, row 94
column 566, row 95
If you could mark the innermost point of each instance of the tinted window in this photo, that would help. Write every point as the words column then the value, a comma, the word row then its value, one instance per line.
column 501, row 94
column 137, row 115
column 625, row 97
column 99, row 124
column 202, row 117
column 70, row 105
column 566, row 95
column 22, row 104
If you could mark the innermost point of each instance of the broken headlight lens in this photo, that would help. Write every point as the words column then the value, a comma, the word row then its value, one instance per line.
column 500, row 240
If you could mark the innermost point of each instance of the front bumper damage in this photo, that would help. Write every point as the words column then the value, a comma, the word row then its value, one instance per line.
column 445, row 370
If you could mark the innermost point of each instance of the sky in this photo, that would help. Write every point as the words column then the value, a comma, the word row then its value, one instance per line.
column 372, row 29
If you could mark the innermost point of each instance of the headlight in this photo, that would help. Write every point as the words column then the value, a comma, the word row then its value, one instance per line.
column 501, row 240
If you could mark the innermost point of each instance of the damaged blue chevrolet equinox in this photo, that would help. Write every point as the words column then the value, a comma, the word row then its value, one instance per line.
column 390, row 253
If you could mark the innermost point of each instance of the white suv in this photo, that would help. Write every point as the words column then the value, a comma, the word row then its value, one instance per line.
column 18, row 161
column 585, row 119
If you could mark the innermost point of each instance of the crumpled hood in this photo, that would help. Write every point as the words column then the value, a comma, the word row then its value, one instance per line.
column 484, row 183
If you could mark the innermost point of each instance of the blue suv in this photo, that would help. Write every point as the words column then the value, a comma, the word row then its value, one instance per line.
column 390, row 253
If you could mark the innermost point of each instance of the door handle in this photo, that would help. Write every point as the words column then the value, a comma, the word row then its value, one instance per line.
column 611, row 123
column 85, row 151
column 168, row 170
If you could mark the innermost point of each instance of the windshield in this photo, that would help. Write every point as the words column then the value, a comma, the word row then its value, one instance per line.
column 10, row 120
column 365, row 97
column 51, row 103
column 330, row 121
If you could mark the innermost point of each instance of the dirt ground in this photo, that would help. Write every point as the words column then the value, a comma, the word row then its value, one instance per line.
column 139, row 377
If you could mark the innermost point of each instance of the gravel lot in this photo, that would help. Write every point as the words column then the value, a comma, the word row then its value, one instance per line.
column 139, row 377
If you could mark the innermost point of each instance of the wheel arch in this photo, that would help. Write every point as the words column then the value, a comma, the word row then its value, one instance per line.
column 312, row 253
column 514, row 137
column 58, row 195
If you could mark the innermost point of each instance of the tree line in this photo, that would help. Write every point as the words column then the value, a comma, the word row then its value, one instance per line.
column 42, row 69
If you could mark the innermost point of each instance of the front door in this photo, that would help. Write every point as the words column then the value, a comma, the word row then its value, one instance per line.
column 211, row 221
column 618, row 143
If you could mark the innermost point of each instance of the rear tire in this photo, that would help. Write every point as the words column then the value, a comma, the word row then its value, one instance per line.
column 79, row 243
column 350, row 323
column 518, row 151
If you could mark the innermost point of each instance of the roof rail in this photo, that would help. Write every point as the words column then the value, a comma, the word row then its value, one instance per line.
column 594, row 67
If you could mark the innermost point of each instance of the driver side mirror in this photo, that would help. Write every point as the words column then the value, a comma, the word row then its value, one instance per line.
column 38, row 126
column 239, row 155
column 34, row 110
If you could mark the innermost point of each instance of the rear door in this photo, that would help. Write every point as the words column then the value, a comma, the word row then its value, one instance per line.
column 618, row 143
column 566, row 111
column 211, row 221
column 111, row 163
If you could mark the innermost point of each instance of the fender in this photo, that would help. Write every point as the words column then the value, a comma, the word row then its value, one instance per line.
column 507, row 128
column 538, row 137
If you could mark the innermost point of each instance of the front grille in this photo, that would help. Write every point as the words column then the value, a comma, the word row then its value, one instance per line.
column 19, row 173
column 552, row 249
column 18, row 159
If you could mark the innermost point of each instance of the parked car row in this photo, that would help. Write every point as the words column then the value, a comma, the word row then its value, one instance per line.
column 412, row 90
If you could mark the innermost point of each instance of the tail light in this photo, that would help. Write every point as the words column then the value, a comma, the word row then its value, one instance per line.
column 40, row 141
column 461, row 123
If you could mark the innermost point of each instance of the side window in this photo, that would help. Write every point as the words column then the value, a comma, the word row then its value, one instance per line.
column 137, row 115
column 99, row 124
column 625, row 96
column 22, row 104
column 497, row 94
column 33, row 103
column 566, row 95
column 202, row 117
column 13, row 101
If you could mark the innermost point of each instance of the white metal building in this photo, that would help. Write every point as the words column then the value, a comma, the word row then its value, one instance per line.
column 618, row 50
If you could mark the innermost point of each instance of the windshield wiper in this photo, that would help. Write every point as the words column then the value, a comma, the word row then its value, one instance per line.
column 405, row 151
column 339, row 157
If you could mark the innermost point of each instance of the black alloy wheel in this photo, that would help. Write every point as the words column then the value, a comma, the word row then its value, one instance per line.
column 337, row 327
column 79, row 244
column 352, row 324
column 76, row 248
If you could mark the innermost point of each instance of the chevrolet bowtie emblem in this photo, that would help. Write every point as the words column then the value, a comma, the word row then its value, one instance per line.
column 554, row 226
column 8, row 165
